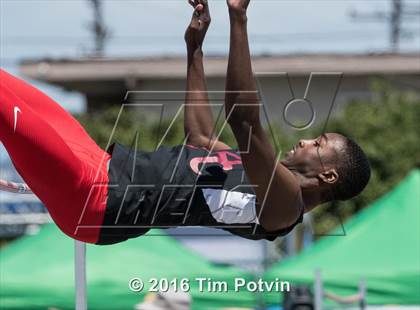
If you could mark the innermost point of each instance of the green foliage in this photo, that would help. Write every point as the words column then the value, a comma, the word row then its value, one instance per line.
column 115, row 125
column 386, row 126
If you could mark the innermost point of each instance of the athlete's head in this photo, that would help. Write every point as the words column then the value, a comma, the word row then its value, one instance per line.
column 332, row 166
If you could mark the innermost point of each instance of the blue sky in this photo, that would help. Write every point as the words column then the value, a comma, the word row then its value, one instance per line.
column 58, row 28
column 31, row 28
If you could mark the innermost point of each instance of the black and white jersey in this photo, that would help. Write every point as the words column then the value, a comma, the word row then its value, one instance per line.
column 180, row 186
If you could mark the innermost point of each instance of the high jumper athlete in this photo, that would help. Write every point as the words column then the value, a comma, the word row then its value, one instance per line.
column 106, row 197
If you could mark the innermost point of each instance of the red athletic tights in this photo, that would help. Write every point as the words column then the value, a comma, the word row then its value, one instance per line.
column 61, row 164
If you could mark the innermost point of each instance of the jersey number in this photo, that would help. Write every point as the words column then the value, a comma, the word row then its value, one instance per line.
column 219, row 158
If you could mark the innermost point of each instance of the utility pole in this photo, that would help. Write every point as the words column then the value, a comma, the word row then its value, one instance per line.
column 399, row 12
column 98, row 27
column 395, row 20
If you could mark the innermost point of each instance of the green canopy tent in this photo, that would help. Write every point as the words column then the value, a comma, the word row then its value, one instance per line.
column 381, row 245
column 37, row 272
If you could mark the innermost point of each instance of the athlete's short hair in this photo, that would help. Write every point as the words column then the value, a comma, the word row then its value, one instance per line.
column 353, row 170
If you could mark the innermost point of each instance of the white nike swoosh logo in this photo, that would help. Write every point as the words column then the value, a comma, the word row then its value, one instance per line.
column 16, row 110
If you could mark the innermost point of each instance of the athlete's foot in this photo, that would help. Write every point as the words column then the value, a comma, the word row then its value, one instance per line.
column 237, row 8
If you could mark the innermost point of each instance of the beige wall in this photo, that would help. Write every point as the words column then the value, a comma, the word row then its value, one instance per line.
column 274, row 90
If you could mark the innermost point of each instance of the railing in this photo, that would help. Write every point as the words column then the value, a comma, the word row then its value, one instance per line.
column 80, row 275
column 320, row 294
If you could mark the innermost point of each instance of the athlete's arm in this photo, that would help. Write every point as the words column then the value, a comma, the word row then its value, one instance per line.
column 276, row 187
column 199, row 124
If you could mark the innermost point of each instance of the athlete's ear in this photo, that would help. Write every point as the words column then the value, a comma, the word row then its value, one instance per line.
column 329, row 176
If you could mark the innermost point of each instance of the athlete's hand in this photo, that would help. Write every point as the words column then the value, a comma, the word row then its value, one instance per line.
column 238, row 7
column 200, row 22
